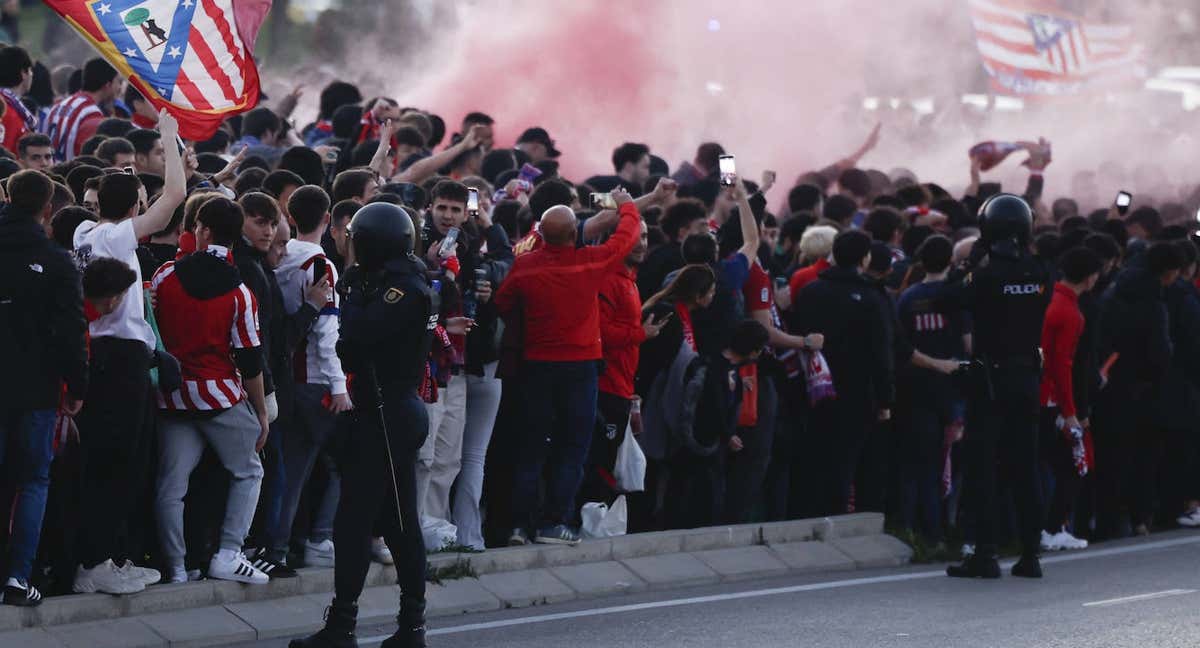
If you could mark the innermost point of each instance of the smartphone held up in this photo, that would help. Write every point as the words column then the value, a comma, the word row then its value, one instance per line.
column 604, row 201
column 728, row 170
column 473, row 202
column 1123, row 201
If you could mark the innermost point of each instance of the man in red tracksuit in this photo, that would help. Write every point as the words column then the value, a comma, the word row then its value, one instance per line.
column 1062, row 446
column 622, row 332
column 554, row 291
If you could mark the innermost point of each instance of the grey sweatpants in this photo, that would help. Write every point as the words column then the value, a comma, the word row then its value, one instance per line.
column 232, row 435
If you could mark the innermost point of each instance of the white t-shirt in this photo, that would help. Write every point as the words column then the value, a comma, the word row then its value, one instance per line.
column 117, row 241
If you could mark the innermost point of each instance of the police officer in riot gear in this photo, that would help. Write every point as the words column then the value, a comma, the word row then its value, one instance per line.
column 388, row 313
column 1006, row 291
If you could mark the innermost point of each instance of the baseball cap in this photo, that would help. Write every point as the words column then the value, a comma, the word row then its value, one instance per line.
column 538, row 135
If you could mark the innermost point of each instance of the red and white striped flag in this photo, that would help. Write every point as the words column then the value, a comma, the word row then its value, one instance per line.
column 193, row 57
column 1037, row 47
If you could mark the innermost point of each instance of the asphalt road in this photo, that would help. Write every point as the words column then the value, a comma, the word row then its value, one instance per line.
column 1142, row 593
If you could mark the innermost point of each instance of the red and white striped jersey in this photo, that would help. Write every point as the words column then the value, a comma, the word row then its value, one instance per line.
column 1045, row 48
column 202, row 334
column 63, row 124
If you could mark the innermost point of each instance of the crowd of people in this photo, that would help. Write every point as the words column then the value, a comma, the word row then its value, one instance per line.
column 175, row 398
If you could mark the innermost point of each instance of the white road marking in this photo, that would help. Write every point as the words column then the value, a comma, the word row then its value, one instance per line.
column 809, row 587
column 1140, row 597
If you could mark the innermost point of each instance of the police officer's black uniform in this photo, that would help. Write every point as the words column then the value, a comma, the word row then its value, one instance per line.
column 1006, row 292
column 388, row 313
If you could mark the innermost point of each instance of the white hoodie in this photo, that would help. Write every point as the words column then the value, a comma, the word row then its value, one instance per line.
column 316, row 361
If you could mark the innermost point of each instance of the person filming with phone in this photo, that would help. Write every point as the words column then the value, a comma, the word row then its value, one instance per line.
column 555, row 289
column 470, row 255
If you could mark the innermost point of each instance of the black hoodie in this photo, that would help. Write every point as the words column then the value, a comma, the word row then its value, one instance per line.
column 42, row 326
column 1134, row 324
column 279, row 332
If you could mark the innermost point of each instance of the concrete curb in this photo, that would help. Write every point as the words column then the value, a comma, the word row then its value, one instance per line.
column 218, row 613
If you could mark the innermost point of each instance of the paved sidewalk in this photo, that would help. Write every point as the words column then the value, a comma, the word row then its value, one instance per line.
column 211, row 613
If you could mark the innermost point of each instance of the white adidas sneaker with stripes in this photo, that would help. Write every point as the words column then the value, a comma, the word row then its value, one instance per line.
column 238, row 569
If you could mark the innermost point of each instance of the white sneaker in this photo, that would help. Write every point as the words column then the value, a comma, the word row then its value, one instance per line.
column 239, row 569
column 1191, row 519
column 318, row 555
column 1051, row 542
column 146, row 575
column 968, row 550
column 176, row 575
column 194, row 575
column 107, row 578
column 1065, row 540
column 380, row 552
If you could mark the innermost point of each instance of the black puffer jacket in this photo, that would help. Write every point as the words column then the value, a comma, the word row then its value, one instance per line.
column 42, row 327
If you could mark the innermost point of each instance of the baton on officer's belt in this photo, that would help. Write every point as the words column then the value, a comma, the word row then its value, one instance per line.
column 387, row 444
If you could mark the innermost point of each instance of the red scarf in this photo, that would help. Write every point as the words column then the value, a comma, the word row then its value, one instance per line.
column 685, row 318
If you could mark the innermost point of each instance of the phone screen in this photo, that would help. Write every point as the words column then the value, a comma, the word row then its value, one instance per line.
column 448, row 250
column 728, row 170
column 318, row 269
column 1124, row 199
column 603, row 201
column 473, row 201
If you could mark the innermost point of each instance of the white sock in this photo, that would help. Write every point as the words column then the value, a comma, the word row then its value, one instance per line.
column 227, row 555
column 12, row 582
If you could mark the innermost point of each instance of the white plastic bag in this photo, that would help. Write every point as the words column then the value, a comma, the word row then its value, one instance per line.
column 600, row 521
column 630, row 468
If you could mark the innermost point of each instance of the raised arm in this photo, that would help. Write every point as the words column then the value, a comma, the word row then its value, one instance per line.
column 156, row 218
column 421, row 170
column 605, row 221
column 379, row 163
column 746, row 220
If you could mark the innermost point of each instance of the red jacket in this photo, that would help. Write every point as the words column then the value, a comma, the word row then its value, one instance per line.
column 14, row 127
column 556, row 288
column 621, row 332
column 1060, row 336
column 806, row 275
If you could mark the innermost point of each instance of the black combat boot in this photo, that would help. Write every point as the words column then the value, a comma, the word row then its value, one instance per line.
column 411, row 633
column 1028, row 567
column 338, row 631
column 976, row 566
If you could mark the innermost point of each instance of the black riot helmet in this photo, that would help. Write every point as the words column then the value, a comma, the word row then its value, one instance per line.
column 1005, row 217
column 381, row 232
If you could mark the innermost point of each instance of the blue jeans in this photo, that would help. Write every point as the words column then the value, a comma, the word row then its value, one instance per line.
column 26, row 447
column 560, row 410
column 304, row 443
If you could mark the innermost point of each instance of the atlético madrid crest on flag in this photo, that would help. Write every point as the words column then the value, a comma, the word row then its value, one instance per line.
column 193, row 57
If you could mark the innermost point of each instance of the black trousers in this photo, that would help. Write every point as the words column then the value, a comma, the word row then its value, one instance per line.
column 368, row 497
column 746, row 471
column 1003, row 426
column 611, row 420
column 115, row 447
column 1127, row 443
column 833, row 443
column 499, row 473
column 695, row 490
column 1058, row 460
